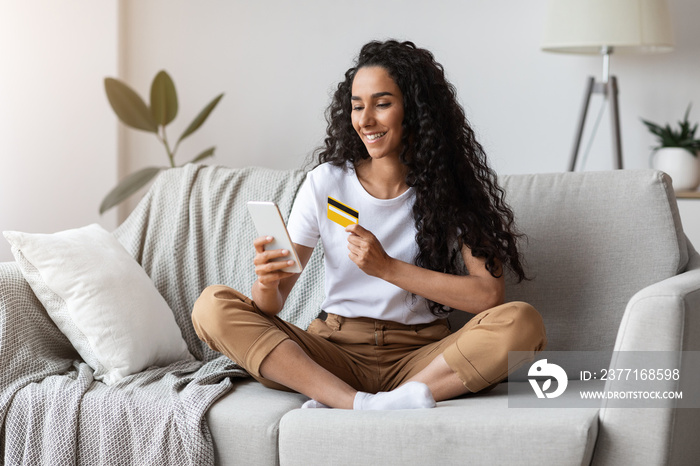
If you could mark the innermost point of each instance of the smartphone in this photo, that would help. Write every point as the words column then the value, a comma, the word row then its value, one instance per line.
column 269, row 222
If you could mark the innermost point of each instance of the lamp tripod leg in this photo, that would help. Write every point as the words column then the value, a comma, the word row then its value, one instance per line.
column 615, row 120
column 582, row 121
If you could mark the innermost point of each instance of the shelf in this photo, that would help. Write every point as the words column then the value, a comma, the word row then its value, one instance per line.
column 688, row 195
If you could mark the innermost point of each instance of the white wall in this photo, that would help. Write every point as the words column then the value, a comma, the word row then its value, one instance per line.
column 690, row 218
column 278, row 61
column 58, row 153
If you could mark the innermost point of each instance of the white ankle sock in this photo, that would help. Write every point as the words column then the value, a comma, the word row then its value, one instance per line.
column 408, row 396
column 312, row 404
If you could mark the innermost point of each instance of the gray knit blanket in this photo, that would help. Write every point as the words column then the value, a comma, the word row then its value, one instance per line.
column 191, row 230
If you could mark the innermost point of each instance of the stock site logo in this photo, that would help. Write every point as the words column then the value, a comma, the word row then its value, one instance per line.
column 541, row 369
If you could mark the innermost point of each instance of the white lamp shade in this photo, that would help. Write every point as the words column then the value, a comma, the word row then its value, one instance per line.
column 628, row 26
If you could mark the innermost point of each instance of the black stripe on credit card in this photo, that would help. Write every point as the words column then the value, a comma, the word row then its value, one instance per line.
column 343, row 207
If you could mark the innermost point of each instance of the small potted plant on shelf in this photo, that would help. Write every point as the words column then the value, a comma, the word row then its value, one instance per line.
column 677, row 153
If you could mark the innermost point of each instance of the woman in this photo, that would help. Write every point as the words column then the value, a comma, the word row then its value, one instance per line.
column 413, row 226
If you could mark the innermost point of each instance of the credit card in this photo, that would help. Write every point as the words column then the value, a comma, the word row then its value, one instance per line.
column 342, row 214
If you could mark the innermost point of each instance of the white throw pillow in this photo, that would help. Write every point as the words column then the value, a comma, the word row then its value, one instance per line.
column 101, row 299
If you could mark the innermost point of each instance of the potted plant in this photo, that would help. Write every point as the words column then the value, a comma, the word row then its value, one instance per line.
column 677, row 152
column 132, row 110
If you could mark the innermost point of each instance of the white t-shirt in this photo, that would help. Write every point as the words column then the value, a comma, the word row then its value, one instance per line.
column 330, row 191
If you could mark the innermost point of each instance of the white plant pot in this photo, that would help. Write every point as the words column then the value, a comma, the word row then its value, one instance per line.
column 682, row 166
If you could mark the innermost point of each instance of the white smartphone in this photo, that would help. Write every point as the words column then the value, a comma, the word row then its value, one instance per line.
column 269, row 222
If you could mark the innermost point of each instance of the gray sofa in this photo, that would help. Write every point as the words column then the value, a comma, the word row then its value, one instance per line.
column 610, row 270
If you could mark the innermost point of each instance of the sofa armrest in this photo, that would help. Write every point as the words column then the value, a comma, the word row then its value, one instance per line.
column 12, row 287
column 30, row 343
column 662, row 317
column 13, row 290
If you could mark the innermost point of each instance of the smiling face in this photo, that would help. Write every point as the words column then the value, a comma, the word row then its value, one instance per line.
column 377, row 112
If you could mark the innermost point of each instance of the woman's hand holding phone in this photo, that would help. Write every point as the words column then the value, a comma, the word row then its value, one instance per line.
column 266, row 293
column 273, row 285
column 270, row 272
column 277, row 262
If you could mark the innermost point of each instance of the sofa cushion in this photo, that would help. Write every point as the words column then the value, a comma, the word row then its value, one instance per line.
column 480, row 429
column 101, row 299
column 244, row 424
column 593, row 240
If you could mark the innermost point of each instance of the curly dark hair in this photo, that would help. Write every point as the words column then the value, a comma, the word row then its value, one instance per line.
column 458, row 200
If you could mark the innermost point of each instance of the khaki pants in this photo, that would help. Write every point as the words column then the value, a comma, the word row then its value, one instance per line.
column 368, row 354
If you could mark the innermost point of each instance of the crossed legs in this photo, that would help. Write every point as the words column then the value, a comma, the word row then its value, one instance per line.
column 283, row 356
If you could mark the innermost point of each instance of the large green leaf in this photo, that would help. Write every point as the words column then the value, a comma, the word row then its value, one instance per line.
column 203, row 115
column 207, row 153
column 128, row 106
column 163, row 99
column 128, row 186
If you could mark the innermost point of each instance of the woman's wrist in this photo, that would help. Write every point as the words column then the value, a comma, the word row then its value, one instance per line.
column 391, row 270
column 267, row 298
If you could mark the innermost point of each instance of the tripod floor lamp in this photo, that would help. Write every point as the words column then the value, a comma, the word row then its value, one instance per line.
column 601, row 27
